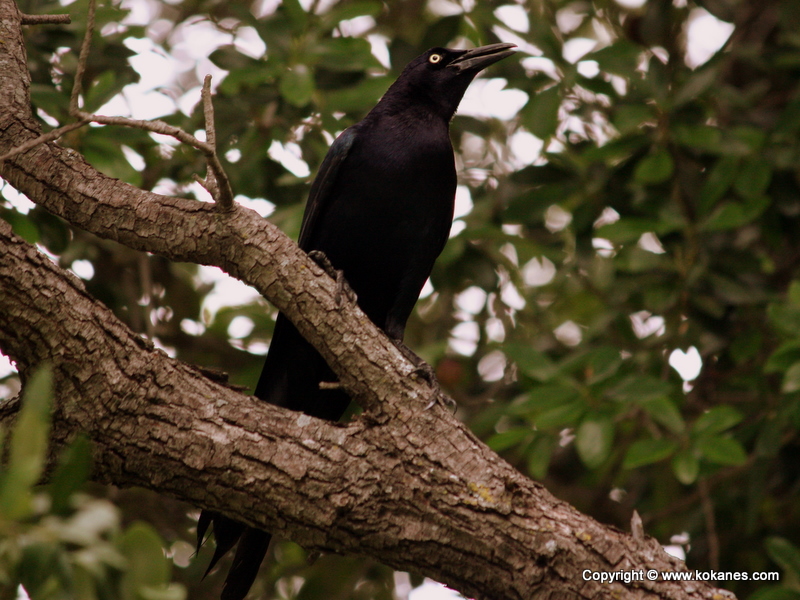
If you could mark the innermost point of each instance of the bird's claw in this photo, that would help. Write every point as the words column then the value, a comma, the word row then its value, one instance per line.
column 439, row 396
column 425, row 371
column 343, row 289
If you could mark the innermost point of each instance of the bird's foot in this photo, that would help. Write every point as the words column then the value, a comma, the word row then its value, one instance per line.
column 343, row 289
column 439, row 396
column 425, row 371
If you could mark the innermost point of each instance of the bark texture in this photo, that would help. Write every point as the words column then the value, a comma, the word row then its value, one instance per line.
column 412, row 488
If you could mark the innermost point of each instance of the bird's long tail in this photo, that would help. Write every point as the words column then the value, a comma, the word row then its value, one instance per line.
column 250, row 552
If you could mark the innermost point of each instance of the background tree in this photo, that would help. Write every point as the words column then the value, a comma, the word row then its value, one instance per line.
column 638, row 207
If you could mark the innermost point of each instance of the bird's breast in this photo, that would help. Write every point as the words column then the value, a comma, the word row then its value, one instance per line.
column 389, row 213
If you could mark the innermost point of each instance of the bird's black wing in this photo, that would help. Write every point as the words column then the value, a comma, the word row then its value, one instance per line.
column 323, row 182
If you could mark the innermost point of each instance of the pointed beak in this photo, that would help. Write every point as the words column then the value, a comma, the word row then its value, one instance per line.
column 478, row 59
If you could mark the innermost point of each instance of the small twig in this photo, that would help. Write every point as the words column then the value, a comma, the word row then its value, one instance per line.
column 225, row 196
column 208, row 111
column 210, row 182
column 44, row 138
column 203, row 183
column 216, row 182
column 45, row 19
column 330, row 385
column 77, row 85
column 146, row 293
column 637, row 529
column 711, row 524
column 220, row 187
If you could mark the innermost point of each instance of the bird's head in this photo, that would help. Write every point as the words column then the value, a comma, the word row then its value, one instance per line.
column 440, row 76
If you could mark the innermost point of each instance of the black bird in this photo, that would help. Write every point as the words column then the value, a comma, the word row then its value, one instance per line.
column 380, row 210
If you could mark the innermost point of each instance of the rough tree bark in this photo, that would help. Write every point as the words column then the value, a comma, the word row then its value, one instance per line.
column 412, row 488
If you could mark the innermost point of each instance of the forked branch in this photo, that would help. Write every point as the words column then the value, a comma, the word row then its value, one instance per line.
column 217, row 182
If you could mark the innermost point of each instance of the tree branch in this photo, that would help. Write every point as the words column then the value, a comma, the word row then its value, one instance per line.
column 46, row 20
column 217, row 182
column 418, row 491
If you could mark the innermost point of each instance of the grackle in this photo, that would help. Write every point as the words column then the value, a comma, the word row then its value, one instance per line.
column 380, row 210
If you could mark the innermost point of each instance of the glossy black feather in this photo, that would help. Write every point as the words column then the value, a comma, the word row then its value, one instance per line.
column 380, row 209
column 249, row 554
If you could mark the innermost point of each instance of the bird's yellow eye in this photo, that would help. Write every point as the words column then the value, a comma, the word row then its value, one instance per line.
column 434, row 58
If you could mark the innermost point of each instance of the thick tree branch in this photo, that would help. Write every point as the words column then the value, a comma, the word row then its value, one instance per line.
column 410, row 487
column 419, row 491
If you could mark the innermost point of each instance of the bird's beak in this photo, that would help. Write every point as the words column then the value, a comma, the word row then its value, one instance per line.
column 478, row 59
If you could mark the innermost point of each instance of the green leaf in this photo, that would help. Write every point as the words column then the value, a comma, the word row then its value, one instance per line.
column 620, row 58
column 148, row 571
column 770, row 438
column 541, row 114
column 629, row 118
column 716, row 420
column 106, row 86
column 617, row 150
column 506, row 439
column 28, row 445
column 774, row 592
column 747, row 345
column 722, row 450
column 345, row 12
column 560, row 416
column 654, row 168
column 686, row 467
column 358, row 97
column 229, row 58
column 699, row 82
column 640, row 388
column 663, row 410
column 21, row 224
column 38, row 568
column 298, row 18
column 599, row 86
column 297, row 85
column 700, row 137
column 785, row 318
column 172, row 591
column 793, row 296
column 533, row 363
column 735, row 214
column 539, row 457
column 53, row 233
column 71, row 474
column 753, row 138
column 544, row 397
column 627, row 229
column 791, row 379
column 753, row 179
column 719, row 180
column 646, row 452
column 785, row 554
column 593, row 440
column 50, row 100
column 345, row 54
column 602, row 363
